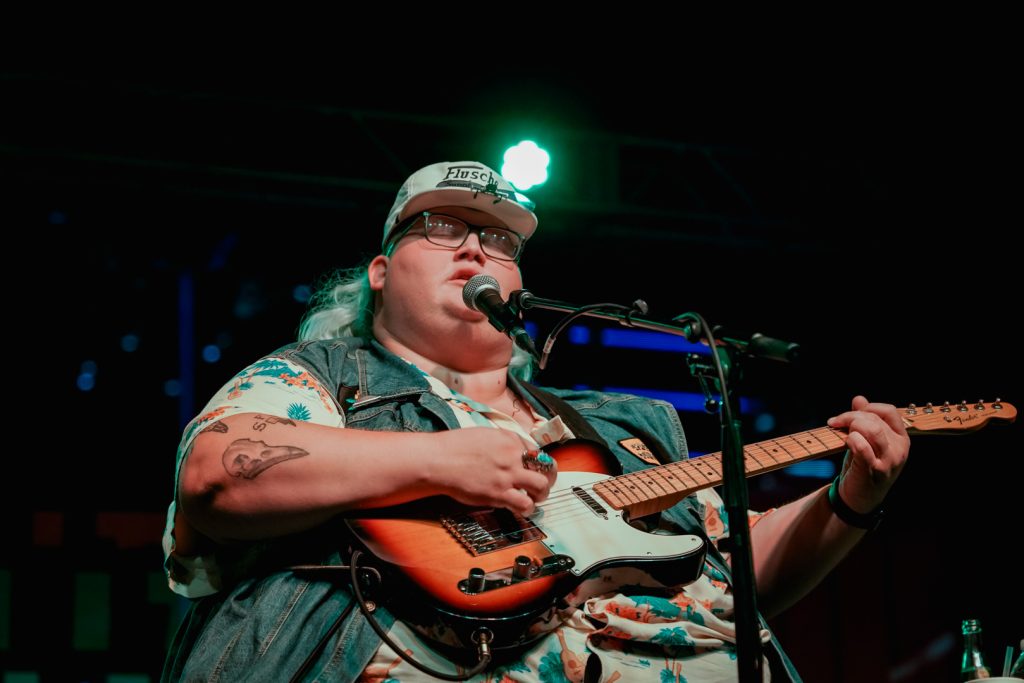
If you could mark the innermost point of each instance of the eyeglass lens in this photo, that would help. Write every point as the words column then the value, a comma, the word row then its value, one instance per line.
column 447, row 231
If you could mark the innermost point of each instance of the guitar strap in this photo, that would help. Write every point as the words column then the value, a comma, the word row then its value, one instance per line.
column 556, row 406
column 579, row 426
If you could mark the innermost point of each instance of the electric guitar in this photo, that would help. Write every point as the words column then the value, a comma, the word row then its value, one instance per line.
column 481, row 567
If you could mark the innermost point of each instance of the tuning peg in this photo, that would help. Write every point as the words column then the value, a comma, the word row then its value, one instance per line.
column 962, row 407
column 928, row 409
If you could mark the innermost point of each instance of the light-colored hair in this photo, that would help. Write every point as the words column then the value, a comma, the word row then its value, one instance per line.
column 342, row 306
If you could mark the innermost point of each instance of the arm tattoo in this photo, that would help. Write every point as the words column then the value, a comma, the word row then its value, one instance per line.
column 263, row 420
column 247, row 459
column 218, row 427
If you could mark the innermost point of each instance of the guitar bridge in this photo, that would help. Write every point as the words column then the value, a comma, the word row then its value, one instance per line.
column 485, row 531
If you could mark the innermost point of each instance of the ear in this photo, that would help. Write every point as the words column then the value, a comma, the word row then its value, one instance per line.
column 377, row 272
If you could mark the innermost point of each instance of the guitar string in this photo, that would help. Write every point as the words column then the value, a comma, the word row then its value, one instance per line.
column 564, row 501
column 695, row 469
column 549, row 520
column 564, row 498
column 568, row 515
column 696, row 472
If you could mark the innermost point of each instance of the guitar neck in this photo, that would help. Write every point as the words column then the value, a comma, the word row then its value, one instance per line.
column 655, row 489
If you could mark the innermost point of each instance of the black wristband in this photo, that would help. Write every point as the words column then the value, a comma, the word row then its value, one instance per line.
column 869, row 521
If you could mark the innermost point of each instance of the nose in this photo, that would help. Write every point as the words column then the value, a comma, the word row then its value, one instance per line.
column 471, row 249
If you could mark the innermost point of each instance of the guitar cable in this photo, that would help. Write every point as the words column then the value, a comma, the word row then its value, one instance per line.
column 483, row 644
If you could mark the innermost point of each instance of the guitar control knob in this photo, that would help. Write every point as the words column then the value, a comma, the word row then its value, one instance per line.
column 476, row 582
column 521, row 569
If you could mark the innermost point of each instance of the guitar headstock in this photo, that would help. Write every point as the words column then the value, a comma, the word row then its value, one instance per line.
column 951, row 418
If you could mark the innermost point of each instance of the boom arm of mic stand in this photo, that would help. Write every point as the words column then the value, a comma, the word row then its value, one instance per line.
column 522, row 299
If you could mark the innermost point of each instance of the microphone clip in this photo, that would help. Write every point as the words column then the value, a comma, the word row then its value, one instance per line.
column 758, row 345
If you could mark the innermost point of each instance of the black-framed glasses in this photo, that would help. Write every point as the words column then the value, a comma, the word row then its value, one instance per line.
column 451, row 232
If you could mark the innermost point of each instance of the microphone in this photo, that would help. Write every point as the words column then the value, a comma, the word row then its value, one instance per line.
column 483, row 293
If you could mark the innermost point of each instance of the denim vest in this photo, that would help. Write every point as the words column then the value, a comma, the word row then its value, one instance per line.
column 266, row 625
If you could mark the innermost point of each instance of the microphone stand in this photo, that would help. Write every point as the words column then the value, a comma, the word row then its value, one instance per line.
column 724, row 363
column 734, row 493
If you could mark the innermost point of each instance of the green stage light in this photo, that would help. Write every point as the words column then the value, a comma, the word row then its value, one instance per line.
column 526, row 165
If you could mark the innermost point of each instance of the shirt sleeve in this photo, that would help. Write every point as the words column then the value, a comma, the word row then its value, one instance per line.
column 272, row 386
column 716, row 521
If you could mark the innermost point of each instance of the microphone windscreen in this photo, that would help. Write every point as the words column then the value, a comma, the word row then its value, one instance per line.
column 473, row 287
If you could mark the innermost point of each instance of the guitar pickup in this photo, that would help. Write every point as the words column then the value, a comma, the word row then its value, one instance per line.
column 524, row 569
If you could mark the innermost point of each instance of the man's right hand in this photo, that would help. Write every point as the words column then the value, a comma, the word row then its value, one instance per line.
column 483, row 467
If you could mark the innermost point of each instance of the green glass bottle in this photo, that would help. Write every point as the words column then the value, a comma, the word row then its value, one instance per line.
column 1018, row 667
column 973, row 666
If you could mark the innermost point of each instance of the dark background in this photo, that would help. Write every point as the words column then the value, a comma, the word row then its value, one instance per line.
column 870, row 222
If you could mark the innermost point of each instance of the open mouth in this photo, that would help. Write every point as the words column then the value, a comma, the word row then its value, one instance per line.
column 463, row 275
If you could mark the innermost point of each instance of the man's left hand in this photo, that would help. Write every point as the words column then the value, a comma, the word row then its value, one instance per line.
column 878, row 445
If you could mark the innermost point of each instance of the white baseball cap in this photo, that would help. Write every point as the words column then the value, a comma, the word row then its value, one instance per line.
column 462, row 183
